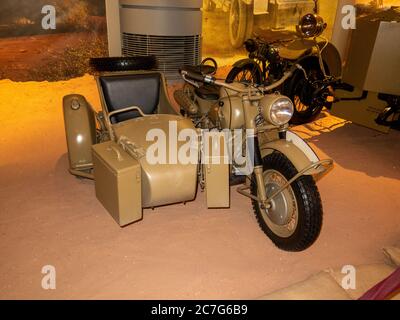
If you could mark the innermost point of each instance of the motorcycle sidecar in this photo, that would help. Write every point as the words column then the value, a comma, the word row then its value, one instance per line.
column 112, row 147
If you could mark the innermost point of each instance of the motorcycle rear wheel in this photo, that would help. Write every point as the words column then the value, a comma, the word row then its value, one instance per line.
column 297, row 228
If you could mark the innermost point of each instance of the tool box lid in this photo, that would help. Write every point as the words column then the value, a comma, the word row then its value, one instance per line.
column 114, row 157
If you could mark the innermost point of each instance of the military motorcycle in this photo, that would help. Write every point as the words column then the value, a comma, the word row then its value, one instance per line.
column 125, row 146
column 312, row 86
column 281, row 182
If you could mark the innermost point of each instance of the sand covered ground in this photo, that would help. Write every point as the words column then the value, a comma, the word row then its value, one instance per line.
column 48, row 217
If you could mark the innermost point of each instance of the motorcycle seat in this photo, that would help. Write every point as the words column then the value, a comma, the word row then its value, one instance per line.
column 291, row 54
column 207, row 92
column 296, row 49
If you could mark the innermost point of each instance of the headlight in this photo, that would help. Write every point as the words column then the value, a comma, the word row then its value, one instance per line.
column 311, row 25
column 277, row 109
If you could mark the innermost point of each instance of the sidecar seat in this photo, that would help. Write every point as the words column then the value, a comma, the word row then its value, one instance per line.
column 146, row 90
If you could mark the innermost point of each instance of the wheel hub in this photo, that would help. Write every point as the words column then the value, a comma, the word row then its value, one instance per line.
column 278, row 212
column 281, row 214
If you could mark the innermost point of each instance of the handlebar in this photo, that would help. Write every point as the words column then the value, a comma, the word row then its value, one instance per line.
column 190, row 77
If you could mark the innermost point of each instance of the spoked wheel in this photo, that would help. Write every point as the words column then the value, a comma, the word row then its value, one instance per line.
column 294, row 220
column 240, row 22
column 308, row 102
column 247, row 74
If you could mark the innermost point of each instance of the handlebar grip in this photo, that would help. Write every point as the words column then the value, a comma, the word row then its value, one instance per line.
column 197, row 76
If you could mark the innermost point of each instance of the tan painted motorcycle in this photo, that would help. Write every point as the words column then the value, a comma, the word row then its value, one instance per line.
column 117, row 146
column 282, row 188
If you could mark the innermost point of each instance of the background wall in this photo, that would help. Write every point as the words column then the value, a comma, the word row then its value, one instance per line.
column 27, row 52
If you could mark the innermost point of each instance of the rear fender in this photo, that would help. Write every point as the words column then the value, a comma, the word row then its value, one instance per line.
column 332, row 59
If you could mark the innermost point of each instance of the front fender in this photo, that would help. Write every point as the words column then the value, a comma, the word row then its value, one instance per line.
column 332, row 59
column 330, row 56
column 243, row 62
column 295, row 149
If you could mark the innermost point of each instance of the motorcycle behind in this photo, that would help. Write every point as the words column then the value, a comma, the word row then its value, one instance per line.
column 312, row 85
column 282, row 169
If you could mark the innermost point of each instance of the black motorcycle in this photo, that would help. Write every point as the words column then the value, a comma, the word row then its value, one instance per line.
column 320, row 68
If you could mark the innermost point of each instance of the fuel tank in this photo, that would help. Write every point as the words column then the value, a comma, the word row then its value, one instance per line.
column 230, row 111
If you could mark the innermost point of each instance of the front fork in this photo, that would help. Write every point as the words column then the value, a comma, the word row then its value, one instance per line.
column 252, row 140
column 259, row 172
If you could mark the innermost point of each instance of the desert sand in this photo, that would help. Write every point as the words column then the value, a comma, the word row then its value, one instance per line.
column 48, row 217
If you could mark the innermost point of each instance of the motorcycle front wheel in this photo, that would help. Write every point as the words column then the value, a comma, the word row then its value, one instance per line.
column 248, row 73
column 301, row 92
column 294, row 220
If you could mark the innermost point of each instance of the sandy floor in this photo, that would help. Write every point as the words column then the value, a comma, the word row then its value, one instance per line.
column 48, row 217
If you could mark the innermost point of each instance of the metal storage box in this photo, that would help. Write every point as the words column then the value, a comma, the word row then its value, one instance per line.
column 118, row 182
column 216, row 170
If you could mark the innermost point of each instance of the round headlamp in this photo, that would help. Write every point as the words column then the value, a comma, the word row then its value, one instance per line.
column 311, row 25
column 277, row 109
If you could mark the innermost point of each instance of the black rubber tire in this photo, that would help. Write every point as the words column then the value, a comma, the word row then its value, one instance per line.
column 308, row 202
column 255, row 72
column 123, row 63
column 294, row 84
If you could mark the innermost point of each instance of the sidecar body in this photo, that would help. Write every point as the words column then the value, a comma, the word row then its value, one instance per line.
column 130, row 148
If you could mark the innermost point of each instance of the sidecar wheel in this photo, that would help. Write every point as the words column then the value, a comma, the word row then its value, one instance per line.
column 294, row 222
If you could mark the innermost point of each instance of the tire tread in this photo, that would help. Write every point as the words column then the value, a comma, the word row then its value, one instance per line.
column 310, row 207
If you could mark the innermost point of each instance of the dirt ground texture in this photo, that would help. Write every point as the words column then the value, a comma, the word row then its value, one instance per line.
column 48, row 217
